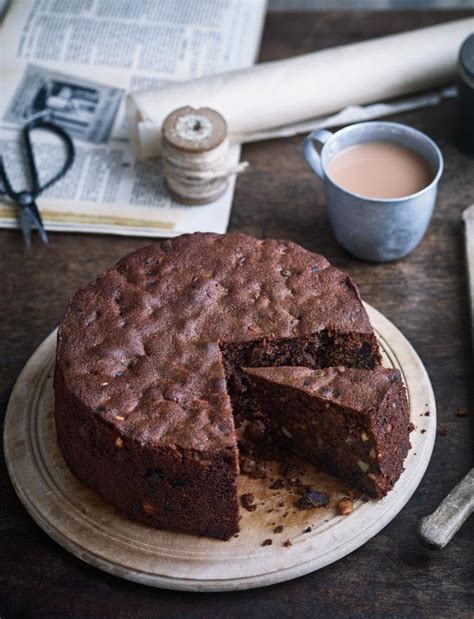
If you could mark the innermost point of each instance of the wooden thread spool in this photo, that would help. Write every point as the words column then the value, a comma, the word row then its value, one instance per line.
column 194, row 149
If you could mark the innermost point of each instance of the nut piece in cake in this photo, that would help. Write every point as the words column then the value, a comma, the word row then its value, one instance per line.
column 345, row 506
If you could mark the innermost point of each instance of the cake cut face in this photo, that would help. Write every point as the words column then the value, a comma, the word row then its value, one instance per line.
column 354, row 422
column 149, row 367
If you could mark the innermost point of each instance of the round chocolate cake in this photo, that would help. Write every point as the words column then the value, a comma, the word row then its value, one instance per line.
column 150, row 367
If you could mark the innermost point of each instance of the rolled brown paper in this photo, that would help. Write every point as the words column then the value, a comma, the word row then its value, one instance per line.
column 280, row 93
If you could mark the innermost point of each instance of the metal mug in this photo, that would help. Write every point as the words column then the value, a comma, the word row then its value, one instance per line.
column 378, row 230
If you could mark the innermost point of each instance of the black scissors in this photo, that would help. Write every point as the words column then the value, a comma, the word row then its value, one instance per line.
column 28, row 214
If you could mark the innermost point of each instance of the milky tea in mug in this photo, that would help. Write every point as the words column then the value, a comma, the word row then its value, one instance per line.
column 380, row 170
column 380, row 180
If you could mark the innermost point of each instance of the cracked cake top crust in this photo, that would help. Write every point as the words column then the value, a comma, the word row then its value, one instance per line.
column 360, row 390
column 140, row 346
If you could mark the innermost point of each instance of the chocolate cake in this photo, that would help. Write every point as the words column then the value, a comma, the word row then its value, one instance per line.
column 354, row 422
column 149, row 367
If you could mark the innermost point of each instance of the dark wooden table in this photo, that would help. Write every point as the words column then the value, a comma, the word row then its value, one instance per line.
column 424, row 295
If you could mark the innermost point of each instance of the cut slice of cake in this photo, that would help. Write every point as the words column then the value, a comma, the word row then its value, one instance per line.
column 353, row 422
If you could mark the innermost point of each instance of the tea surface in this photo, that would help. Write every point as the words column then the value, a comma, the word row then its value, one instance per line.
column 380, row 170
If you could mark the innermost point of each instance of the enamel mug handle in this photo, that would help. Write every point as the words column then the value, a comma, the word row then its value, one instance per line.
column 312, row 156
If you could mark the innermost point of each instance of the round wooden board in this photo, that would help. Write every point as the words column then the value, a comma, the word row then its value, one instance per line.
column 93, row 531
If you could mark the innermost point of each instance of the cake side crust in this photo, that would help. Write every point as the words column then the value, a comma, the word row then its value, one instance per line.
column 163, row 487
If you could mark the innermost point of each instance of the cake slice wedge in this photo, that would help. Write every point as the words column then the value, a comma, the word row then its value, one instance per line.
column 355, row 423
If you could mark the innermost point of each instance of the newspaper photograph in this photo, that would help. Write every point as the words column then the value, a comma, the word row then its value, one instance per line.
column 72, row 64
column 85, row 109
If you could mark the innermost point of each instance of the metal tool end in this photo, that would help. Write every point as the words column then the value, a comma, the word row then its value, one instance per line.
column 438, row 529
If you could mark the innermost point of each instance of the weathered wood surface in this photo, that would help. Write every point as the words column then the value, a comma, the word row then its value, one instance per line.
column 425, row 295
column 468, row 218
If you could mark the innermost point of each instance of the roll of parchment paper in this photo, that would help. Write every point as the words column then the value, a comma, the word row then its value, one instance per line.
column 284, row 92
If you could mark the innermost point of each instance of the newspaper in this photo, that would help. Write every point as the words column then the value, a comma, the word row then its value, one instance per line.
column 72, row 61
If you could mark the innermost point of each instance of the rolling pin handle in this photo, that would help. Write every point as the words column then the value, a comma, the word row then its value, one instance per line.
column 437, row 529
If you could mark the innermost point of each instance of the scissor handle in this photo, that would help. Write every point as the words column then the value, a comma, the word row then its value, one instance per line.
column 39, row 123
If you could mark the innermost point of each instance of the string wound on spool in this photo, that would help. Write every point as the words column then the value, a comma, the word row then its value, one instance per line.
column 195, row 153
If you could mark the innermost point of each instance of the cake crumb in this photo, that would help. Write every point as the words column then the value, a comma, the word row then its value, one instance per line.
column 345, row 506
column 287, row 543
column 288, row 470
column 278, row 484
column 278, row 529
column 256, row 469
column 427, row 414
column 267, row 542
column 423, row 431
column 248, row 502
column 308, row 530
column 461, row 411
column 311, row 499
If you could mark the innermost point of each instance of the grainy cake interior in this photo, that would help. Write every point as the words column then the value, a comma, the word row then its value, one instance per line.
column 354, row 422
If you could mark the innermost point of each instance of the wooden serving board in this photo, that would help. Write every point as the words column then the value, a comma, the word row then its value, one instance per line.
column 93, row 531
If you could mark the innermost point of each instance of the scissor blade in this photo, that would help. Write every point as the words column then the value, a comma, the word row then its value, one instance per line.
column 35, row 214
column 24, row 217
